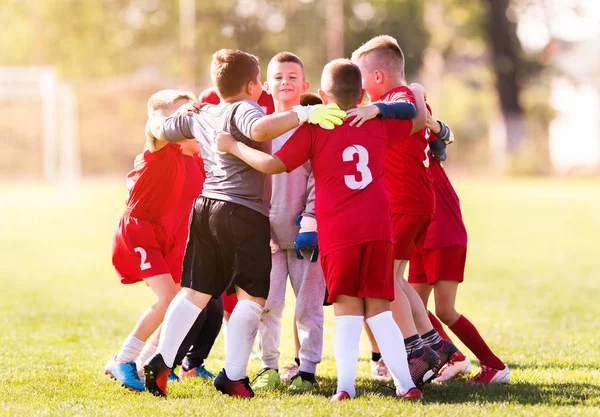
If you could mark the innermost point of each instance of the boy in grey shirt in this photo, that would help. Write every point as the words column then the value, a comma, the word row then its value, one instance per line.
column 228, row 245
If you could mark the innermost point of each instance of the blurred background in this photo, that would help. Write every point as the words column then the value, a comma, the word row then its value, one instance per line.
column 517, row 80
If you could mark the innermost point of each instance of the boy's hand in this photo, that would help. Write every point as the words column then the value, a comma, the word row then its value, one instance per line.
column 150, row 139
column 362, row 114
column 327, row 116
column 274, row 246
column 432, row 124
column 189, row 109
column 224, row 142
column 307, row 239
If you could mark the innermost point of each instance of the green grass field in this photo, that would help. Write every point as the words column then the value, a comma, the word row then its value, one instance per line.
column 532, row 288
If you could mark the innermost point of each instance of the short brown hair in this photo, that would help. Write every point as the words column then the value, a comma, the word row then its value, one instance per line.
column 231, row 70
column 310, row 99
column 164, row 98
column 285, row 56
column 381, row 52
column 341, row 79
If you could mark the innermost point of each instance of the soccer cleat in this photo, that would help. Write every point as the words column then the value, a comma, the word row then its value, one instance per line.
column 157, row 375
column 413, row 394
column 489, row 375
column 267, row 378
column 299, row 384
column 290, row 371
column 380, row 371
column 173, row 376
column 423, row 368
column 447, row 352
column 340, row 396
column 239, row 388
column 457, row 365
column 196, row 372
column 126, row 373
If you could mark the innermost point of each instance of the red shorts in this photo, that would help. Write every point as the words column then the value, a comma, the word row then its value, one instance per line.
column 432, row 265
column 143, row 249
column 229, row 302
column 365, row 270
column 409, row 232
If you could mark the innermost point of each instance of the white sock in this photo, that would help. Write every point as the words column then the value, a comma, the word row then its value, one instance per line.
column 241, row 329
column 148, row 352
column 179, row 318
column 130, row 350
column 391, row 344
column 347, row 336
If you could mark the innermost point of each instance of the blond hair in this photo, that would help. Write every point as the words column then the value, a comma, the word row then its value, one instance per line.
column 163, row 99
column 381, row 53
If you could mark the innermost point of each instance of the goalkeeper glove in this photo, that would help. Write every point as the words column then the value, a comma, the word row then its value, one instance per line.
column 307, row 238
column 327, row 116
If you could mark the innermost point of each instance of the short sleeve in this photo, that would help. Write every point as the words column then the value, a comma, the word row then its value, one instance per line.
column 177, row 128
column 298, row 149
column 403, row 94
column 397, row 130
column 246, row 113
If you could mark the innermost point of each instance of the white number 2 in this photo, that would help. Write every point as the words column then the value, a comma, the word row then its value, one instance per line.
column 426, row 160
column 143, row 264
column 361, row 166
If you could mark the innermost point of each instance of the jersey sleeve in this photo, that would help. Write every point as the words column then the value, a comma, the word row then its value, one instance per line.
column 177, row 128
column 297, row 150
column 246, row 113
column 403, row 94
column 397, row 130
column 210, row 96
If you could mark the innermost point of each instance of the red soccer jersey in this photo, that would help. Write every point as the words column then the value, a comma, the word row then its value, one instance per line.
column 155, row 184
column 407, row 178
column 352, row 206
column 447, row 227
column 265, row 101
column 192, row 188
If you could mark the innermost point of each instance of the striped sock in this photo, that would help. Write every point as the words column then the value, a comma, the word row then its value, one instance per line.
column 414, row 346
column 432, row 339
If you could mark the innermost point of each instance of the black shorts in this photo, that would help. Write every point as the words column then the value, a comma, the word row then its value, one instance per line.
column 228, row 245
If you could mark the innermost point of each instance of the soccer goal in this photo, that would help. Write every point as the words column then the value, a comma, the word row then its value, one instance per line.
column 38, row 127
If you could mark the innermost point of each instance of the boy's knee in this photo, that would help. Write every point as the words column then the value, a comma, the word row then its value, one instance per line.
column 447, row 314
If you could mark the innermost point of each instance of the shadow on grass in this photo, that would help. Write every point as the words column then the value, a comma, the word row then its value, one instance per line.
column 458, row 392
column 563, row 366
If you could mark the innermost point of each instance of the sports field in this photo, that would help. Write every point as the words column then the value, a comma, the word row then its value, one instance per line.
column 532, row 288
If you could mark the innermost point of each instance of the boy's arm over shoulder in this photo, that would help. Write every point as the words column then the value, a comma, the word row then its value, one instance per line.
column 260, row 161
column 418, row 92
column 298, row 148
column 171, row 129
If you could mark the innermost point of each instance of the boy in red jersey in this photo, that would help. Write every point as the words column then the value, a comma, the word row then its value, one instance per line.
column 144, row 244
column 357, row 261
column 228, row 247
column 410, row 188
column 439, row 267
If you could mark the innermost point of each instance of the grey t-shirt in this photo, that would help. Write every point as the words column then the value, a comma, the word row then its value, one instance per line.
column 228, row 178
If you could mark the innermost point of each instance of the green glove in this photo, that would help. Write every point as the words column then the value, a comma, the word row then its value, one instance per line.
column 327, row 116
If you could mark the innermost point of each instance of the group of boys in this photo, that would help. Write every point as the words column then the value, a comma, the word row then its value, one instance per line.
column 248, row 231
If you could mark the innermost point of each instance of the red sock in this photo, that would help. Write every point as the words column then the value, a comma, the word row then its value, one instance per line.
column 437, row 325
column 468, row 334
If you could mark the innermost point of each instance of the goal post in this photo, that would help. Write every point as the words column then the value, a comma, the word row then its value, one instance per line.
column 61, row 160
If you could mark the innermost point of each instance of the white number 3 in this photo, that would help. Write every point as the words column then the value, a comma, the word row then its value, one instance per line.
column 143, row 264
column 361, row 166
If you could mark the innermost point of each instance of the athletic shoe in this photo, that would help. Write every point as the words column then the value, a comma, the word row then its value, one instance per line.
column 267, row 378
column 423, row 368
column 157, row 375
column 196, row 372
column 489, row 375
column 457, row 365
column 126, row 373
column 413, row 394
column 290, row 371
column 299, row 384
column 447, row 352
column 340, row 396
column 141, row 375
column 173, row 376
column 380, row 371
column 239, row 388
